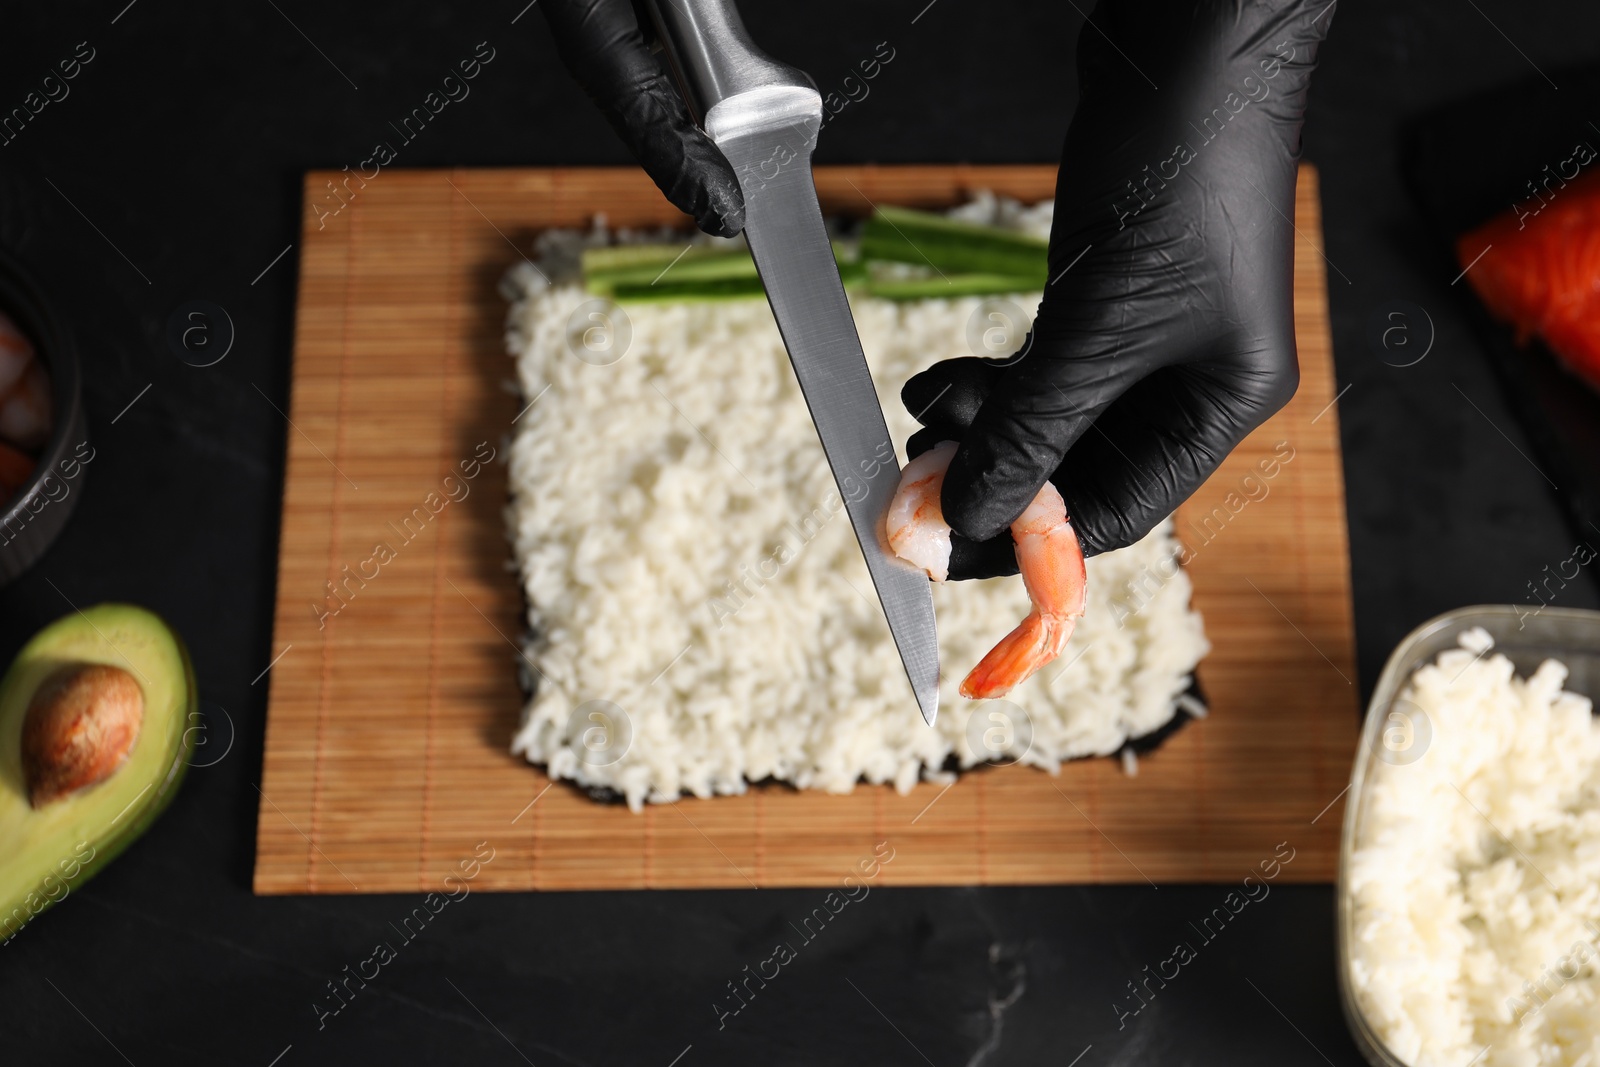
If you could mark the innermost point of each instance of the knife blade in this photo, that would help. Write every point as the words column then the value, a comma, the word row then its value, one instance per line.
column 765, row 116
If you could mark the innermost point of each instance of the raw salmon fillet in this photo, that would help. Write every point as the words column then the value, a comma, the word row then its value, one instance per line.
column 1541, row 272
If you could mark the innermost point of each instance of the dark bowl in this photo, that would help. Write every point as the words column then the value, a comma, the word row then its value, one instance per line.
column 30, row 520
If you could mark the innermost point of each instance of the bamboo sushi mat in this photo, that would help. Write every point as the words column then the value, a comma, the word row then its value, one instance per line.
column 389, row 722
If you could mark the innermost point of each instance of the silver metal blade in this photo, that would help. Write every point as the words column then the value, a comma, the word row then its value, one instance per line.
column 783, row 225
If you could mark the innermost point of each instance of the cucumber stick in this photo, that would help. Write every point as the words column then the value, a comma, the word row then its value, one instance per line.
column 952, row 246
column 664, row 273
column 956, row 259
column 951, row 286
column 731, row 286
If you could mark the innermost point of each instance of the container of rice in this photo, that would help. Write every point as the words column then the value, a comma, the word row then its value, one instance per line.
column 1469, row 883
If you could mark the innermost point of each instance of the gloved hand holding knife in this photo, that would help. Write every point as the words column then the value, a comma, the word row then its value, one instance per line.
column 603, row 45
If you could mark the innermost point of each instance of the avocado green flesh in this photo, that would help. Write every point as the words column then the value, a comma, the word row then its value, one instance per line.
column 51, row 851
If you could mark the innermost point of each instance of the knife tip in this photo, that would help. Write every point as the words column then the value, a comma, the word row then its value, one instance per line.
column 928, row 701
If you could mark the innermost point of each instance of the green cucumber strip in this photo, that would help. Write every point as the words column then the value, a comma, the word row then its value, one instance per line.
column 688, row 292
column 722, row 265
column 854, row 275
column 622, row 257
column 952, row 286
column 707, row 290
column 952, row 246
column 695, row 274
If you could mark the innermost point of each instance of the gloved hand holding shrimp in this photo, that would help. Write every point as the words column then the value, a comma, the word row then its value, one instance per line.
column 1159, row 342
column 1048, row 555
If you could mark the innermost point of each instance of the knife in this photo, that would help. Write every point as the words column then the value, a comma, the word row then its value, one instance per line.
column 764, row 116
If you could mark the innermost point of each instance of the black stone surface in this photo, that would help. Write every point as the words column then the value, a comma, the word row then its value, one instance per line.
column 170, row 174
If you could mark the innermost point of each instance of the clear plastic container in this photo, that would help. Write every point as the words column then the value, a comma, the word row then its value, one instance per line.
column 1568, row 634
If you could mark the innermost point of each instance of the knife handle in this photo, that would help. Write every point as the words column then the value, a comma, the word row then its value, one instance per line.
column 712, row 54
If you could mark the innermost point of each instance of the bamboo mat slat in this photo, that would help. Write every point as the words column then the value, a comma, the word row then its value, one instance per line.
column 389, row 722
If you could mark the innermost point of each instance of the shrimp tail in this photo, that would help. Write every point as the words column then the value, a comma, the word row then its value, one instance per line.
column 1037, row 640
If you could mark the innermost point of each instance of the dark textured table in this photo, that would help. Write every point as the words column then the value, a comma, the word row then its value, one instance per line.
column 170, row 173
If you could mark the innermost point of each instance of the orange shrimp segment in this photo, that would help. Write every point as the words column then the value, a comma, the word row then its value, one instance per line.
column 1048, row 555
column 1036, row 641
column 1051, row 562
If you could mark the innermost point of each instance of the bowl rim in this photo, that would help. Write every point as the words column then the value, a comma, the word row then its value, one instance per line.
column 24, row 302
column 1397, row 670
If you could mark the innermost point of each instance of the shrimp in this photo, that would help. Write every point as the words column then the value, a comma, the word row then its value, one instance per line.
column 1051, row 561
column 915, row 525
column 25, row 409
column 1048, row 555
column 15, row 354
column 24, row 390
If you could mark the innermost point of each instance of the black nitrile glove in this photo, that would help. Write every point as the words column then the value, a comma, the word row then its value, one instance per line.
column 602, row 46
column 1166, row 332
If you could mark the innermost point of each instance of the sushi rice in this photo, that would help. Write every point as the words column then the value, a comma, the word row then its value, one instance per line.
column 700, row 616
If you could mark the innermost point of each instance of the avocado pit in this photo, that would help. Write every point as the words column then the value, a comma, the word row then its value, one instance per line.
column 80, row 727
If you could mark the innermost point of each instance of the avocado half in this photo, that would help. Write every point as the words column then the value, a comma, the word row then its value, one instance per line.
column 53, row 849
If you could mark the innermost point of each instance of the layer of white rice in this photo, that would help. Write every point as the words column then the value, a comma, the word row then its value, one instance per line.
column 686, row 559
column 1476, row 874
